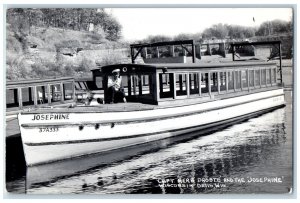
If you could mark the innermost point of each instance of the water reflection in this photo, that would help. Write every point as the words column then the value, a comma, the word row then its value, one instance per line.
column 257, row 148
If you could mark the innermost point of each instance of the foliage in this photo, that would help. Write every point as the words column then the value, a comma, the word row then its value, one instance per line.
column 12, row 44
column 222, row 31
column 219, row 31
column 86, row 65
column 274, row 27
column 16, row 67
column 81, row 19
column 110, row 59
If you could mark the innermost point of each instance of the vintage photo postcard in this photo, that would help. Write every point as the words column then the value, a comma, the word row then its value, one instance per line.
column 124, row 100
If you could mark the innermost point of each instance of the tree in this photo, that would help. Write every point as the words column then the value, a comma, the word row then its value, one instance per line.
column 274, row 27
column 110, row 25
column 67, row 18
column 240, row 32
column 219, row 31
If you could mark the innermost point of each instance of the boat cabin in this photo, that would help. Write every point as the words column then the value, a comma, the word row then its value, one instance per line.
column 170, row 83
column 183, row 83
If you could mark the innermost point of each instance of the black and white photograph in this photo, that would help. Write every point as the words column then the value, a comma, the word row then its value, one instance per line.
column 114, row 100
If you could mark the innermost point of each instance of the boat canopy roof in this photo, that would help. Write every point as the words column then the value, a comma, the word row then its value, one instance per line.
column 174, row 67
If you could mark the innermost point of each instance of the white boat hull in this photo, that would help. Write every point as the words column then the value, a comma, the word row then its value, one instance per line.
column 47, row 140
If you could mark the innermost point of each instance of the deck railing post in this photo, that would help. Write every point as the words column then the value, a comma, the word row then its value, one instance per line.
column 234, row 80
column 62, row 92
column 275, row 74
column 270, row 70
column 174, row 85
column 218, row 82
column 73, row 91
column 35, row 96
column 49, row 93
column 241, row 79
column 254, row 78
column 266, row 77
column 248, row 77
column 20, row 100
column 157, row 86
column 226, row 80
column 140, row 84
column 199, row 82
column 209, row 84
column 187, row 83
column 260, row 77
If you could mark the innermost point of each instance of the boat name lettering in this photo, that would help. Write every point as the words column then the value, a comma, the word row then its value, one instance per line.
column 50, row 117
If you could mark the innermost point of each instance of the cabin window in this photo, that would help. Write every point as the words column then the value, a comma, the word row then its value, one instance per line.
column 165, row 88
column 55, row 92
column 124, row 84
column 263, row 77
column 268, row 71
column 99, row 82
column 222, row 76
column 251, row 78
column 237, row 78
column 135, row 84
column 181, row 80
column 135, row 87
column 194, row 83
column 257, row 77
column 68, row 87
column 230, row 80
column 244, row 78
column 26, row 95
column 11, row 97
column 145, row 84
column 41, row 94
column 145, row 79
column 204, row 83
column 214, row 81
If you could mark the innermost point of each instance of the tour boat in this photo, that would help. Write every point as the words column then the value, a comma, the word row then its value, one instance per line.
column 163, row 101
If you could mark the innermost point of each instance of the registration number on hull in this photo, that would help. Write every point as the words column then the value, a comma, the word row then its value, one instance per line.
column 48, row 130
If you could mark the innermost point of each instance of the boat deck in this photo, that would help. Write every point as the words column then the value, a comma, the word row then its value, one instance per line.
column 118, row 107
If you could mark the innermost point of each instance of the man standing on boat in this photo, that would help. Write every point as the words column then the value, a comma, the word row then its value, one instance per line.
column 115, row 92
